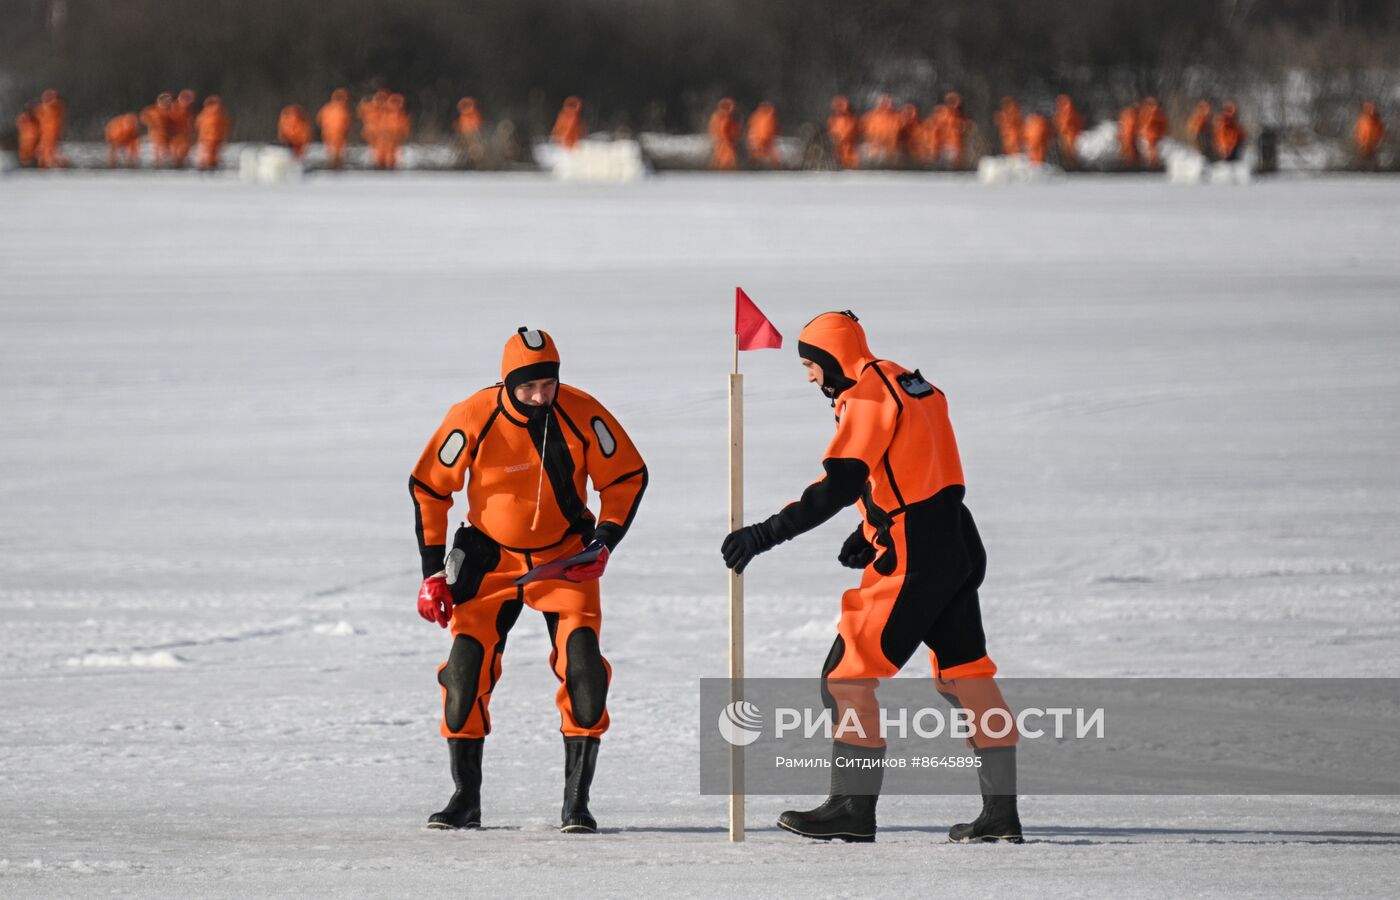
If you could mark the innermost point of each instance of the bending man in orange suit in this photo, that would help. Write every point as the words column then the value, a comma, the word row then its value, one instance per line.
column 294, row 129
column 922, row 562
column 525, row 449
column 123, row 134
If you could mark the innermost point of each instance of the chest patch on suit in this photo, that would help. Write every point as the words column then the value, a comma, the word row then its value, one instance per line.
column 452, row 448
column 607, row 444
column 914, row 384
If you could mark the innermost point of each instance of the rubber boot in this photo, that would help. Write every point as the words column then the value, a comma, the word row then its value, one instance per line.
column 848, row 814
column 999, row 820
column 464, row 809
column 580, row 759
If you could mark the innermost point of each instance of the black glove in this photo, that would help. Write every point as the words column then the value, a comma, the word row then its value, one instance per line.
column 743, row 545
column 857, row 552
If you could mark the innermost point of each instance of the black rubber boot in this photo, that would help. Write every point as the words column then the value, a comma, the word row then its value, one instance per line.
column 857, row 775
column 464, row 809
column 999, row 820
column 580, row 759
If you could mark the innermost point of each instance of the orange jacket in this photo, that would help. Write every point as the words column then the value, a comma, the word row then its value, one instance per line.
column 1008, row 122
column 894, row 446
column 724, row 132
column 1199, row 120
column 568, row 126
column 179, row 118
column 468, row 117
column 762, row 132
column 1370, row 130
column 1037, row 137
column 293, row 128
column 51, row 113
column 212, row 123
column 1068, row 123
column 843, row 128
column 122, row 130
column 951, row 125
column 157, row 121
column 1127, row 132
column 28, row 127
column 526, row 476
column 1228, row 133
column 1151, row 123
column 334, row 119
column 880, row 128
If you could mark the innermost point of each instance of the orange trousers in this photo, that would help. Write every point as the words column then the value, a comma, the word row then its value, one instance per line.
column 487, row 604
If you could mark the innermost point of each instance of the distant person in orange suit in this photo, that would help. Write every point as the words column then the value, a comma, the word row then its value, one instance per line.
column 724, row 135
column 294, row 129
column 880, row 129
column 952, row 129
column 843, row 128
column 468, row 125
column 156, row 118
column 395, row 129
column 1370, row 131
column 180, row 127
column 568, row 125
column 933, row 134
column 27, row 124
column 1127, row 135
column 1036, row 138
column 372, row 112
column 1008, row 122
column 1152, row 127
column 1228, row 136
column 212, row 126
column 1198, row 128
column 761, row 136
column 1069, row 124
column 123, row 135
column 52, row 113
column 334, row 121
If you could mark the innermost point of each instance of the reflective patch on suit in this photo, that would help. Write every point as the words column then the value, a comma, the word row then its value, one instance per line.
column 452, row 448
column 533, row 339
column 606, row 442
column 914, row 384
column 460, row 677
column 585, row 677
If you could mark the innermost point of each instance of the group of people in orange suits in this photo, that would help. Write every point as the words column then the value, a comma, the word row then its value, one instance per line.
column 384, row 125
column 1216, row 134
column 759, row 135
column 887, row 136
column 173, row 129
column 1035, row 134
column 39, row 129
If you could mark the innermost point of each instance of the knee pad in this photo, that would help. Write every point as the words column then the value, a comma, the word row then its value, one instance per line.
column 460, row 677
column 585, row 677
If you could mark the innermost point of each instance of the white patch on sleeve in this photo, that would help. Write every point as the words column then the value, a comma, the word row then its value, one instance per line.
column 452, row 448
column 533, row 339
column 606, row 442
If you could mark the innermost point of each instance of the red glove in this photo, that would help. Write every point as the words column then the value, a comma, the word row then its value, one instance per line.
column 588, row 571
column 435, row 600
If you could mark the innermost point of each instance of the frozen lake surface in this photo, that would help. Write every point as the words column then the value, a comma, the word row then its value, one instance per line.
column 1177, row 409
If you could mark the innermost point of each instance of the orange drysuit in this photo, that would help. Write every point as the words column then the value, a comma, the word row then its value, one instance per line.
column 526, row 471
column 468, row 118
column 51, row 113
column 761, row 138
column 911, row 133
column 1198, row 127
column 951, row 126
column 895, row 455
column 27, row 124
column 843, row 128
column 1008, row 122
column 568, row 126
column 123, row 135
column 1229, row 136
column 724, row 134
column 1127, row 134
column 880, row 129
column 1068, row 126
column 1152, row 127
column 1370, row 131
column 156, row 118
column 334, row 122
column 1037, row 138
column 294, row 129
column 212, row 125
column 180, row 127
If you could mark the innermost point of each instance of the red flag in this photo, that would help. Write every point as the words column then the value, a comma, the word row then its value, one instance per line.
column 752, row 326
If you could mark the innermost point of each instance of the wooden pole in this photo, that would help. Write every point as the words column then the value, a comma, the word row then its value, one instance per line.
column 736, row 591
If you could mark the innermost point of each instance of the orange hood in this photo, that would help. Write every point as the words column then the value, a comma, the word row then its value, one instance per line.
column 836, row 342
column 529, row 355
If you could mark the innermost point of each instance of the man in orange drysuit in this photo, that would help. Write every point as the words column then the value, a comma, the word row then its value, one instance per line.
column 843, row 128
column 880, row 129
column 52, row 113
column 525, row 448
column 294, row 129
column 1008, row 122
column 1068, row 125
column 334, row 121
column 180, row 127
column 27, row 124
column 1198, row 128
column 468, row 119
column 761, row 136
column 395, row 129
column 1036, row 134
column 724, row 134
column 952, row 127
column 568, row 125
column 123, row 134
column 1228, row 135
column 156, row 118
column 1370, row 131
column 1152, row 127
column 1127, row 134
column 212, row 125
column 922, row 561
column 910, row 135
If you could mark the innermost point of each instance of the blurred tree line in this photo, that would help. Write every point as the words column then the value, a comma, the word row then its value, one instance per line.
column 661, row 64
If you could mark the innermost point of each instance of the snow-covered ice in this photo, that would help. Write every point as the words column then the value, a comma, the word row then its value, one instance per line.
column 1177, row 410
